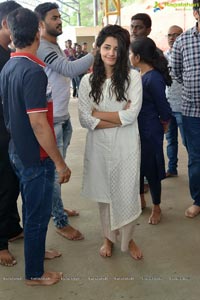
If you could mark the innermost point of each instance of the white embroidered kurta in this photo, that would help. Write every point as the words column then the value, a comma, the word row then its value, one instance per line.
column 112, row 155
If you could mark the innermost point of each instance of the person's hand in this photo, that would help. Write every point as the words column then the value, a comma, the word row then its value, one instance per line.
column 128, row 104
column 94, row 112
column 94, row 49
column 64, row 174
column 165, row 127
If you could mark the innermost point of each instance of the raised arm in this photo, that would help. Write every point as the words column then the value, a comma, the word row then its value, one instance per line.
column 59, row 63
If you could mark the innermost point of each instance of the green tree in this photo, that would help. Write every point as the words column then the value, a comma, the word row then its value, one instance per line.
column 87, row 11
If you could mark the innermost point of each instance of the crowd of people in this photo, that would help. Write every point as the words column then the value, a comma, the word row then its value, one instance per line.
column 73, row 53
column 134, row 95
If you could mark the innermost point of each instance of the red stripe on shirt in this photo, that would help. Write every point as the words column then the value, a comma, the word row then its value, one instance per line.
column 43, row 154
column 29, row 56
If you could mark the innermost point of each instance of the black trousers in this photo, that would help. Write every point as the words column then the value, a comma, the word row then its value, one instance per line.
column 149, row 169
column 154, row 186
column 9, row 192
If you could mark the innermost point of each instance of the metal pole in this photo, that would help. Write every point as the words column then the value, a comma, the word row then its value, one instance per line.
column 79, row 15
column 95, row 8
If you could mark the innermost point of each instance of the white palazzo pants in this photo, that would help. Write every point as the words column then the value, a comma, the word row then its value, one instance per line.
column 125, row 233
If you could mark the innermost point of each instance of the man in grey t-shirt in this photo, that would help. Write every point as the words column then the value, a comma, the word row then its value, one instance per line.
column 59, row 71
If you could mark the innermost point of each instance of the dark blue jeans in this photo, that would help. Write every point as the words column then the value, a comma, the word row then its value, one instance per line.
column 172, row 141
column 191, row 126
column 63, row 132
column 36, row 186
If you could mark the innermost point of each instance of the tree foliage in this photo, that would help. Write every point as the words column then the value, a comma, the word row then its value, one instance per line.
column 87, row 11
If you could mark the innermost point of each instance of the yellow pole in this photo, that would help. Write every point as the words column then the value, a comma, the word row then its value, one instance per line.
column 109, row 12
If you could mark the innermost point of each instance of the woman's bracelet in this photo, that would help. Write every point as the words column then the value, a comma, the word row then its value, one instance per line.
column 62, row 171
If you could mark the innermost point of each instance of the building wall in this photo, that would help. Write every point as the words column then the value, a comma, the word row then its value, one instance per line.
column 161, row 21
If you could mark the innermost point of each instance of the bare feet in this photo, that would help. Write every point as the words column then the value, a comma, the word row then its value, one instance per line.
column 135, row 252
column 6, row 258
column 106, row 248
column 155, row 215
column 17, row 237
column 70, row 233
column 48, row 278
column 71, row 212
column 143, row 201
column 192, row 211
column 51, row 254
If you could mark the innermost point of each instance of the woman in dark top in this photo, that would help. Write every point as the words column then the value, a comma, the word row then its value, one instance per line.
column 153, row 119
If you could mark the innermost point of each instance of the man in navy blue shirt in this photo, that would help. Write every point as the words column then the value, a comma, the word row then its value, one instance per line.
column 28, row 114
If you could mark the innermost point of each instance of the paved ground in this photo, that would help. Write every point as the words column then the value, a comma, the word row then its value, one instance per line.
column 170, row 269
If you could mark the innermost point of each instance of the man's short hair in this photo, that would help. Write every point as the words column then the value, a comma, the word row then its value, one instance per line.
column 7, row 7
column 145, row 18
column 44, row 8
column 23, row 24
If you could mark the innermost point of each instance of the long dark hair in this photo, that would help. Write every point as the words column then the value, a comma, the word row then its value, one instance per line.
column 120, row 74
column 150, row 54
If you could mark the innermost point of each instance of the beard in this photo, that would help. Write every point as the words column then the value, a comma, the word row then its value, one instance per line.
column 54, row 32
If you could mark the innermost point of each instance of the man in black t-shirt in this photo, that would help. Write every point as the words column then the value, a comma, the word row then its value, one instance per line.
column 10, row 228
column 28, row 115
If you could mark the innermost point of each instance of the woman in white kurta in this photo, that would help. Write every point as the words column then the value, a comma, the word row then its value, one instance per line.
column 109, row 102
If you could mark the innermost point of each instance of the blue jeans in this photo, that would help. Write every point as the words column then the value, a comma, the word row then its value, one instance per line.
column 63, row 132
column 191, row 127
column 36, row 186
column 172, row 141
column 75, row 85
